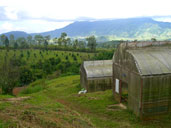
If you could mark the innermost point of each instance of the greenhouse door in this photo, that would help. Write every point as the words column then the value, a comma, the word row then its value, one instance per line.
column 117, row 86
column 124, row 92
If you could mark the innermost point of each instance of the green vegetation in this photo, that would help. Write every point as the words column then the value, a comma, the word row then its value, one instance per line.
column 21, row 67
column 47, row 43
column 59, row 105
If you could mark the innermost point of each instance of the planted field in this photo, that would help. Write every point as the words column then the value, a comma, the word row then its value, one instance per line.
column 33, row 56
column 56, row 103
column 21, row 67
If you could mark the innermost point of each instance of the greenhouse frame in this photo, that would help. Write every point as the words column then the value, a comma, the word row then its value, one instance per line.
column 145, row 68
column 96, row 75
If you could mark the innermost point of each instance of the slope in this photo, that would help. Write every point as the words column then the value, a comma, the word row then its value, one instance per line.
column 58, row 105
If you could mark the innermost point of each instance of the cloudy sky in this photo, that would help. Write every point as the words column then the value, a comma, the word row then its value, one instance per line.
column 44, row 15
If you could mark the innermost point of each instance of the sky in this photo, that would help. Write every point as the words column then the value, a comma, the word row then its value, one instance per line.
column 34, row 16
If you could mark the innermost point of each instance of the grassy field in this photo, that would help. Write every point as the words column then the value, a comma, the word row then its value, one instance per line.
column 56, row 104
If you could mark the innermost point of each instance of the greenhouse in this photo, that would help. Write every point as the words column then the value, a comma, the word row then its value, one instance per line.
column 96, row 75
column 142, row 77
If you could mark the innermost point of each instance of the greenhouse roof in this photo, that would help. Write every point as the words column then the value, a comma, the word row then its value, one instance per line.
column 99, row 68
column 152, row 61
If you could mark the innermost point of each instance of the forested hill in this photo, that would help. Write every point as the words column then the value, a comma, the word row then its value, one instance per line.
column 16, row 34
column 120, row 28
column 132, row 28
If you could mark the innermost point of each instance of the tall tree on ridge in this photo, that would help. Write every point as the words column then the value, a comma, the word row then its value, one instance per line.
column 91, row 43
column 11, row 40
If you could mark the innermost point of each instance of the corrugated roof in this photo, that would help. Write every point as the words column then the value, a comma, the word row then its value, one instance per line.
column 152, row 61
column 99, row 68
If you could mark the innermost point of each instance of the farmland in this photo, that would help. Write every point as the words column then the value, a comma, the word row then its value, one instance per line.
column 22, row 67
column 33, row 56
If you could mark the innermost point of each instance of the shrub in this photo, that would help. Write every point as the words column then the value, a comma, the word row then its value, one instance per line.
column 26, row 76
column 66, row 57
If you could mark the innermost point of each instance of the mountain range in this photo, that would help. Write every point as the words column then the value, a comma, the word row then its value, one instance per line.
column 104, row 30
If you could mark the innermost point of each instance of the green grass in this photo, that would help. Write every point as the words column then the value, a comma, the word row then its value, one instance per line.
column 59, row 105
column 34, row 89
column 7, row 124
column 5, row 96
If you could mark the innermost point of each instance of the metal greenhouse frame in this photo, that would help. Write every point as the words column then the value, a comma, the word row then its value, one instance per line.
column 146, row 68
column 96, row 75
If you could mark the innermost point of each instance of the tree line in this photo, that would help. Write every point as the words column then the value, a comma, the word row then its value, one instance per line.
column 45, row 42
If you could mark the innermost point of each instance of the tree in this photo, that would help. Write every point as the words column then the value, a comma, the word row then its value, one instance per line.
column 81, row 44
column 29, row 39
column 63, row 39
column 46, row 44
column 11, row 40
column 15, row 45
column 9, row 76
column 6, row 43
column 55, row 40
column 22, row 42
column 3, row 38
column 26, row 76
column 39, row 39
column 63, row 35
column 75, row 44
column 68, row 40
column 47, row 38
column 91, row 43
column 153, row 39
column 59, row 41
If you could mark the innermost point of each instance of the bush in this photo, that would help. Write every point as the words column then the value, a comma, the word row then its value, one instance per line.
column 105, row 55
column 26, row 76
column 66, row 57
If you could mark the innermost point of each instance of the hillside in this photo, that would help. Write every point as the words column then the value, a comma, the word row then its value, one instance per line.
column 140, row 28
column 55, row 103
column 132, row 28
column 16, row 34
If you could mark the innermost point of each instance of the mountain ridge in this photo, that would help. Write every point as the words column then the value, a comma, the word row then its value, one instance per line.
column 130, row 28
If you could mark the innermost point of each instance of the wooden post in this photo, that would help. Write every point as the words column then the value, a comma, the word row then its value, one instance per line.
column 141, row 107
column 120, row 90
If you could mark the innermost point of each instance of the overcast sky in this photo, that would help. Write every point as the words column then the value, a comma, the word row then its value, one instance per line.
column 44, row 15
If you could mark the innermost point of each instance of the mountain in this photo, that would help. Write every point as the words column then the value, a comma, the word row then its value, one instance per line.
column 16, row 34
column 131, row 28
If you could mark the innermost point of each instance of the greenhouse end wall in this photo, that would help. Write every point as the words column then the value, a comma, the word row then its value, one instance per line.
column 99, row 84
column 133, row 80
column 156, row 95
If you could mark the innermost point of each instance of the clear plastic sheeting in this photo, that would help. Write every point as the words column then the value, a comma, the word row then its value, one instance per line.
column 99, row 68
column 146, row 68
column 153, row 61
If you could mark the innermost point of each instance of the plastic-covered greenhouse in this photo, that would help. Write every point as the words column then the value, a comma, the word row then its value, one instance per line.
column 96, row 75
column 144, row 68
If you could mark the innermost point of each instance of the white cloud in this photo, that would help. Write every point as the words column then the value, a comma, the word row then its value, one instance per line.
column 11, row 13
column 5, row 27
column 31, row 26
column 21, row 10
column 40, row 25
column 71, row 9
